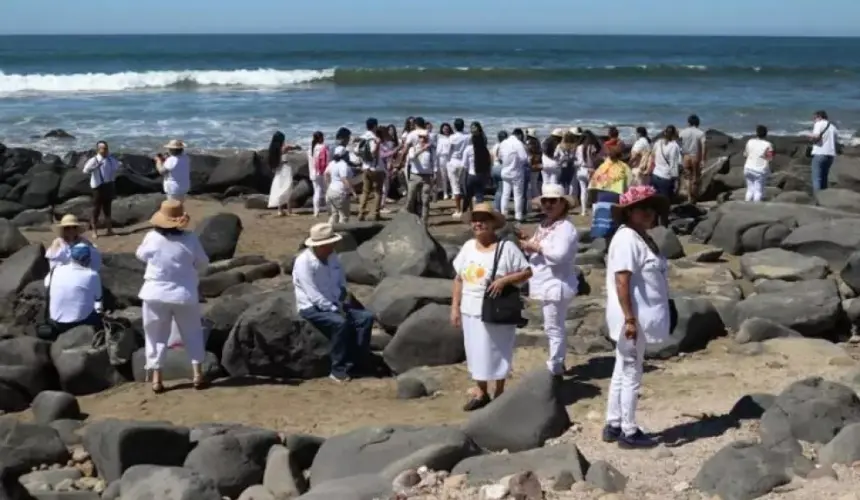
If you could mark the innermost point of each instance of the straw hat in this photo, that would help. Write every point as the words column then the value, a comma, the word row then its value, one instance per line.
column 640, row 195
column 554, row 191
column 175, row 144
column 558, row 132
column 171, row 215
column 322, row 234
column 69, row 220
column 575, row 130
column 487, row 208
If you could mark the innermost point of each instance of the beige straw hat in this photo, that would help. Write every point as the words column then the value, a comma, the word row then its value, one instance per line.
column 69, row 220
column 575, row 130
column 321, row 235
column 487, row 208
column 558, row 132
column 175, row 144
column 171, row 215
column 555, row 191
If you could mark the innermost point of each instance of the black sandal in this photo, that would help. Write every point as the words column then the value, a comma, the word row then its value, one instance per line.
column 477, row 403
column 200, row 383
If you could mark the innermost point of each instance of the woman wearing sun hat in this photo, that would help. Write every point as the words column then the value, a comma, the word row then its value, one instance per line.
column 69, row 233
column 176, row 170
column 637, row 307
column 174, row 258
column 552, row 254
column 489, row 346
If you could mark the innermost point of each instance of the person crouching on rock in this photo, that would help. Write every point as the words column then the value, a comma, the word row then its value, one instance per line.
column 75, row 292
column 320, row 288
column 489, row 346
column 102, row 169
column 637, row 308
column 552, row 254
column 174, row 260
column 176, row 170
column 69, row 233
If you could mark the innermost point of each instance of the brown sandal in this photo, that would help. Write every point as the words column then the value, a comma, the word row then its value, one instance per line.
column 199, row 383
column 157, row 387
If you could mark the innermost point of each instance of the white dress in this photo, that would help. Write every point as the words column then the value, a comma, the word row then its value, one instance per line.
column 489, row 347
column 282, row 185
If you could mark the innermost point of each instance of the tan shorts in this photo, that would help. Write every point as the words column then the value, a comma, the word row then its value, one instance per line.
column 692, row 167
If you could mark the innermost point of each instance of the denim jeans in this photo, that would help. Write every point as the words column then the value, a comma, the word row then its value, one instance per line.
column 820, row 171
column 475, row 186
column 349, row 334
column 497, row 182
column 664, row 187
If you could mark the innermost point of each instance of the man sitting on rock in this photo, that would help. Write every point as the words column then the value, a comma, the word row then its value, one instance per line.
column 320, row 286
column 74, row 292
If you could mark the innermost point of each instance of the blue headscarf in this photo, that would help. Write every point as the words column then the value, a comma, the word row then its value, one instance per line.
column 81, row 254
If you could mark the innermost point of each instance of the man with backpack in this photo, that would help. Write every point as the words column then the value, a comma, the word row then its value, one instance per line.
column 373, row 170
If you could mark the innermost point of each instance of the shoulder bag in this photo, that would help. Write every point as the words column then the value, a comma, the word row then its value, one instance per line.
column 506, row 308
column 839, row 147
column 46, row 330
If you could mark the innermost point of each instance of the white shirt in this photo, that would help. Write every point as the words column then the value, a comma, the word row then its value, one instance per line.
column 548, row 163
column 76, row 292
column 553, row 275
column 667, row 159
column 640, row 145
column 514, row 156
column 443, row 149
column 411, row 138
column 60, row 253
column 497, row 159
column 757, row 155
column 827, row 144
column 649, row 286
column 177, row 175
column 102, row 170
column 374, row 149
column 339, row 173
column 692, row 140
column 469, row 159
column 318, row 284
column 173, row 266
column 420, row 163
column 459, row 142
column 474, row 268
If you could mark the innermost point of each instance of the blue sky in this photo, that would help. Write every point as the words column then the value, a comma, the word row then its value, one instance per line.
column 691, row 17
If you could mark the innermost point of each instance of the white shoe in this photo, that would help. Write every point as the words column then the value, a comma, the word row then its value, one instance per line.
column 457, row 215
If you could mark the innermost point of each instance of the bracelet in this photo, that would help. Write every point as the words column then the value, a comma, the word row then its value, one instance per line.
column 629, row 321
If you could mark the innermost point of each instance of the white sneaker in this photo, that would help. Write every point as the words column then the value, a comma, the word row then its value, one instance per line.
column 457, row 215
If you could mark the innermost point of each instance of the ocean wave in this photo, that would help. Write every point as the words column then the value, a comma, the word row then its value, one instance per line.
column 268, row 78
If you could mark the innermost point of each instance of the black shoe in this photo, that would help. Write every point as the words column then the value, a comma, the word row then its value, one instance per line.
column 611, row 434
column 477, row 403
column 639, row 440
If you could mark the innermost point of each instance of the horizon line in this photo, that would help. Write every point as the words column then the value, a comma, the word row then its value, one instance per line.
column 440, row 33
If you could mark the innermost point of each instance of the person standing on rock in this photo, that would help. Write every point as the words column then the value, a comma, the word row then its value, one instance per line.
column 75, row 292
column 102, row 169
column 421, row 180
column 637, row 308
column 489, row 346
column 318, row 161
column 694, row 148
column 824, row 139
column 758, row 152
column 282, row 174
column 320, row 289
column 174, row 259
column 551, row 251
column 665, row 168
column 515, row 160
column 338, row 178
column 176, row 170
column 373, row 170
column 69, row 233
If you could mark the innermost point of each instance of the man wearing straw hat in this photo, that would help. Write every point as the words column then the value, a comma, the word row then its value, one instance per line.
column 320, row 287
column 176, row 170
column 69, row 233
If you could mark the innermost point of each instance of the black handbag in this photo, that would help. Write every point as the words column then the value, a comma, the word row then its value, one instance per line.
column 507, row 307
column 46, row 330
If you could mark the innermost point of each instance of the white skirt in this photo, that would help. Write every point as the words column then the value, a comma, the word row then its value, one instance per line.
column 282, row 184
column 489, row 348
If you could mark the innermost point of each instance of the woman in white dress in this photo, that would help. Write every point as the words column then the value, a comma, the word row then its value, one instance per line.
column 282, row 182
column 318, row 161
column 489, row 346
column 552, row 254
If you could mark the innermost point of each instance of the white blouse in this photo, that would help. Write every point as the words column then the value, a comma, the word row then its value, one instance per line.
column 553, row 271
column 173, row 266
column 60, row 252
column 474, row 269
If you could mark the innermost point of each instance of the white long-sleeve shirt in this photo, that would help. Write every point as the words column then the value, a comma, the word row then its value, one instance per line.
column 459, row 141
column 75, row 293
column 177, row 175
column 60, row 253
column 174, row 263
column 514, row 156
column 826, row 145
column 318, row 284
column 420, row 162
column 553, row 272
column 101, row 169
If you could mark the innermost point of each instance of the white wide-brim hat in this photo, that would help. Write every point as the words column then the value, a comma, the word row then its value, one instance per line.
column 575, row 130
column 175, row 144
column 321, row 235
column 554, row 191
column 558, row 132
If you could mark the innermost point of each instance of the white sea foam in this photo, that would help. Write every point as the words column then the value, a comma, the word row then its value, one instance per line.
column 117, row 82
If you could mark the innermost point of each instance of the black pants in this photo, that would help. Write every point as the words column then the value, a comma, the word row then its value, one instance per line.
column 476, row 185
column 103, row 197
column 93, row 320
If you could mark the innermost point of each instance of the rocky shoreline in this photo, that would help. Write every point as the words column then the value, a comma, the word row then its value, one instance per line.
column 795, row 290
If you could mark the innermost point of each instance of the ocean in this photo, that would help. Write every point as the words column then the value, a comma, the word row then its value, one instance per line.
column 233, row 91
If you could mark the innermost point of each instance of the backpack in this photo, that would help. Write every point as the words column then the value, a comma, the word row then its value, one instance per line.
column 322, row 161
column 365, row 151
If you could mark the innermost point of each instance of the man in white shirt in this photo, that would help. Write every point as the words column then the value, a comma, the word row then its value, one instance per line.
column 373, row 170
column 420, row 160
column 320, row 288
column 74, row 293
column 176, row 170
column 456, row 167
column 693, row 147
column 102, row 169
column 824, row 145
column 515, row 160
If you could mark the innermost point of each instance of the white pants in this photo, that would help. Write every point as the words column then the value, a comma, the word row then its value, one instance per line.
column 158, row 318
column 442, row 182
column 551, row 175
column 455, row 177
column 318, row 183
column 554, row 314
column 755, row 185
column 385, row 183
column 513, row 187
column 582, row 191
column 339, row 207
column 626, row 380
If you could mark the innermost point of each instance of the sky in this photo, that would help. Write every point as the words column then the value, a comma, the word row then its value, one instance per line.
column 652, row 17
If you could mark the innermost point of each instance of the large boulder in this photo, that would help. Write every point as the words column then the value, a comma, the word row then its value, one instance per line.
column 83, row 369
column 695, row 323
column 122, row 277
column 24, row 447
column 359, row 271
column 839, row 199
column 132, row 209
column 406, row 247
column 426, row 338
column 269, row 339
column 49, row 406
column 850, row 273
column 389, row 450
column 742, row 471
column 11, row 239
column 550, row 461
column 522, row 418
column 24, row 266
column 26, row 368
column 397, row 297
column 778, row 264
column 219, row 235
column 221, row 316
column 41, row 190
column 234, row 460
column 846, row 172
column 833, row 240
column 668, row 243
column 844, row 448
column 241, row 169
column 812, row 308
column 166, row 483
